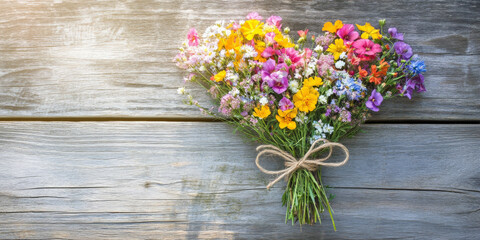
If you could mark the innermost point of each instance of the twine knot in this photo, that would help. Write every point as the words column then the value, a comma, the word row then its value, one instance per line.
column 292, row 164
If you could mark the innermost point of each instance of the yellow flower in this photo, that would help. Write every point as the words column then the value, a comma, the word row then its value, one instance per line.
column 306, row 99
column 328, row 26
column 259, row 48
column 368, row 30
column 262, row 112
column 337, row 48
column 219, row 76
column 251, row 28
column 286, row 118
column 312, row 82
column 283, row 41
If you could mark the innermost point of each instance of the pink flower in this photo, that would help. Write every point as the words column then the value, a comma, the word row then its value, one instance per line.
column 365, row 47
column 302, row 33
column 254, row 15
column 235, row 26
column 192, row 37
column 268, row 52
column 348, row 33
column 275, row 21
column 269, row 38
column 290, row 56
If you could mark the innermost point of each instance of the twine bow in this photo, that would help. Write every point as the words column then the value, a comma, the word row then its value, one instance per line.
column 292, row 164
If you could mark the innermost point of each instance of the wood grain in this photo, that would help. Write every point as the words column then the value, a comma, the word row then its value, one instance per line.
column 113, row 58
column 190, row 180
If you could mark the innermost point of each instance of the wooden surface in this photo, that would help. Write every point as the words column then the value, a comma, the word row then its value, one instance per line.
column 113, row 58
column 413, row 174
column 122, row 180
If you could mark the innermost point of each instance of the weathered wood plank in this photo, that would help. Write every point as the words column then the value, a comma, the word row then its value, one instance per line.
column 177, row 180
column 111, row 58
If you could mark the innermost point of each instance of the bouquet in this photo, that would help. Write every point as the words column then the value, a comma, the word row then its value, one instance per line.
column 299, row 98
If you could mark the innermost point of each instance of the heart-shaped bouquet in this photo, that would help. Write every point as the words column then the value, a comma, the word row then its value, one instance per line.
column 298, row 99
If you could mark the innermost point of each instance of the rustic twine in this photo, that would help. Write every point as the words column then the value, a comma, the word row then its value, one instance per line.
column 292, row 164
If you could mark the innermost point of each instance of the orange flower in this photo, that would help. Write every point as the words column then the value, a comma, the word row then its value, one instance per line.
column 306, row 99
column 286, row 118
column 362, row 72
column 329, row 27
column 262, row 112
column 375, row 76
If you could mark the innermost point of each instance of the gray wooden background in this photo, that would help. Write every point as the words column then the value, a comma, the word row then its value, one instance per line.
column 96, row 144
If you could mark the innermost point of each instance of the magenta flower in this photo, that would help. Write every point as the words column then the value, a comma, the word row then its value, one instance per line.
column 268, row 52
column 290, row 56
column 254, row 15
column 278, row 81
column 192, row 37
column 348, row 33
column 374, row 101
column 366, row 47
column 275, row 76
column 275, row 21
column 285, row 104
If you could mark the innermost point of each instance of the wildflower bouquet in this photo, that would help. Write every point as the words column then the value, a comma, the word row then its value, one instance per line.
column 299, row 98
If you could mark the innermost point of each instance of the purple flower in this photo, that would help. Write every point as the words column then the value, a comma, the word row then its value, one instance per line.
column 374, row 101
column 285, row 104
column 328, row 112
column 348, row 33
column 403, row 50
column 278, row 81
column 415, row 83
column 393, row 33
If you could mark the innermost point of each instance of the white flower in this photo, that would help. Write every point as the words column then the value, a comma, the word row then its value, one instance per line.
column 318, row 48
column 329, row 92
column 339, row 64
column 234, row 92
column 202, row 69
column 309, row 72
column 327, row 129
column 293, row 85
column 297, row 76
column 181, row 90
column 322, row 99
column 343, row 55
column 249, row 51
column 263, row 101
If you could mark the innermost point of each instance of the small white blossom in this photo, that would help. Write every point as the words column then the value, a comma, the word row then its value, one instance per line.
column 297, row 75
column 339, row 64
column 249, row 51
column 308, row 72
column 329, row 92
column 234, row 92
column 293, row 85
column 263, row 101
column 342, row 55
column 202, row 69
column 318, row 48
column 322, row 99
column 181, row 90
column 321, row 131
